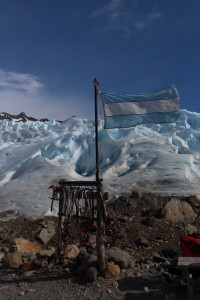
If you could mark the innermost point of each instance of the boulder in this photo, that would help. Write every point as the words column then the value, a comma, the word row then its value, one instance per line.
column 190, row 229
column 71, row 252
column 194, row 201
column 92, row 261
column 26, row 267
column 25, row 246
column 119, row 257
column 40, row 263
column 12, row 260
column 178, row 211
column 46, row 234
column 45, row 253
column 83, row 261
column 80, row 263
column 91, row 274
column 110, row 271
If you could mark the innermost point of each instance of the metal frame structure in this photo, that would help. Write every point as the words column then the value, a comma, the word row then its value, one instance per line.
column 95, row 185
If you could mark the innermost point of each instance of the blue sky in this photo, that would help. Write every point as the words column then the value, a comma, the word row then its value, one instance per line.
column 51, row 50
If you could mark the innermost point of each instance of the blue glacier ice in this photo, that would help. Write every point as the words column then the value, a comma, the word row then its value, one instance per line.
column 159, row 158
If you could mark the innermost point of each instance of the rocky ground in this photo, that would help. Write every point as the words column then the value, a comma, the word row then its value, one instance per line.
column 142, row 247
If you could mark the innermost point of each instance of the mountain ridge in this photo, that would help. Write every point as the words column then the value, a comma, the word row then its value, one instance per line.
column 22, row 117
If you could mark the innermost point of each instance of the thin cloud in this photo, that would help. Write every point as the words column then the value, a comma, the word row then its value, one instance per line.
column 109, row 8
column 152, row 17
column 26, row 92
column 118, row 16
column 19, row 81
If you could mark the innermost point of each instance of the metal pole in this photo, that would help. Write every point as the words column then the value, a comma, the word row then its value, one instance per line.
column 100, row 229
column 96, row 130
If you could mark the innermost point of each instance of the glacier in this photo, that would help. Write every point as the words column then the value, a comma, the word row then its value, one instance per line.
column 156, row 158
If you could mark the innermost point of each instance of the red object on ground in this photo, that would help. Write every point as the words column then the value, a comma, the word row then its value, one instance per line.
column 190, row 245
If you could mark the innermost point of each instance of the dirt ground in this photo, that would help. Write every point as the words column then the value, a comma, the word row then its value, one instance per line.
column 139, row 228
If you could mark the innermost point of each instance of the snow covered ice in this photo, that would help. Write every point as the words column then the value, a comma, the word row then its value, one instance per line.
column 159, row 158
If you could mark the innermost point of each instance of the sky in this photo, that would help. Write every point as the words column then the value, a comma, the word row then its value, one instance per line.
column 51, row 50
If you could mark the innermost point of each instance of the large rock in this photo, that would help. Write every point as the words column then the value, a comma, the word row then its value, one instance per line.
column 194, row 201
column 178, row 211
column 46, row 234
column 120, row 257
column 26, row 267
column 92, row 261
column 91, row 274
column 71, row 252
column 25, row 246
column 83, row 261
column 190, row 229
column 12, row 260
column 40, row 263
column 111, row 271
column 46, row 253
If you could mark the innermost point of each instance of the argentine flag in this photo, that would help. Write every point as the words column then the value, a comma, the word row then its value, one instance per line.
column 128, row 110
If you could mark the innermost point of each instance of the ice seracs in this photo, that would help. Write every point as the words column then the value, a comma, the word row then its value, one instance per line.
column 162, row 158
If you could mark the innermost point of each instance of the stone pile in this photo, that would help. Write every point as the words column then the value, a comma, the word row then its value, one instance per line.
column 28, row 258
column 146, row 236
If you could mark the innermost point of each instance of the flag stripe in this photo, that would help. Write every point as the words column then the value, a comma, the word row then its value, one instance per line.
column 145, row 107
column 133, row 120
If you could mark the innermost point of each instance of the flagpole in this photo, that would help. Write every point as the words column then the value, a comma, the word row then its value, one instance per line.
column 96, row 129
column 101, row 224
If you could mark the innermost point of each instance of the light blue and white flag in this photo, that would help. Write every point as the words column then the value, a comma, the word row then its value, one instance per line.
column 128, row 110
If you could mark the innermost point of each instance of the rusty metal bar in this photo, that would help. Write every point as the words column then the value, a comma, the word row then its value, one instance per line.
column 78, row 183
